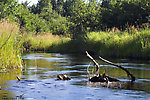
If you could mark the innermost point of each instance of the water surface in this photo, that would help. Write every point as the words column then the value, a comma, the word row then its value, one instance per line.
column 39, row 79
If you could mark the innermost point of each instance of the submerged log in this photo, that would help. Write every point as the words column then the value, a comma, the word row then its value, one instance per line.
column 103, row 78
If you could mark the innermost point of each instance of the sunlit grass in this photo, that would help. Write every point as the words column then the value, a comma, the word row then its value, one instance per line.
column 45, row 42
column 118, row 44
column 9, row 46
column 121, row 44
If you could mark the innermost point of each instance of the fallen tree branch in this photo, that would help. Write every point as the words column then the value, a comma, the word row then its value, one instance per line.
column 99, row 77
column 95, row 63
column 119, row 66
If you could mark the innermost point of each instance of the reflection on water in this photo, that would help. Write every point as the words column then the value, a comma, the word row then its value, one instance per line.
column 39, row 79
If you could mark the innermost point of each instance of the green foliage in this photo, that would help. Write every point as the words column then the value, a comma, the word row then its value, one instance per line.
column 45, row 42
column 112, row 44
column 120, row 13
column 60, row 6
column 59, row 25
column 10, row 45
column 44, row 6
column 76, row 16
column 55, row 22
column 17, row 12
column 79, row 17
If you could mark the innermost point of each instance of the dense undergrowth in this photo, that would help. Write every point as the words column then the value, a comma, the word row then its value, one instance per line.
column 126, row 44
column 11, row 41
column 132, row 43
column 119, row 44
column 45, row 42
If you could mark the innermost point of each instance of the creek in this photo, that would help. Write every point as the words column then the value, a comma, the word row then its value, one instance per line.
column 39, row 79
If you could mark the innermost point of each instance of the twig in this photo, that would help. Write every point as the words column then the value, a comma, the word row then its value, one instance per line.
column 119, row 66
column 88, row 70
column 95, row 63
column 18, row 78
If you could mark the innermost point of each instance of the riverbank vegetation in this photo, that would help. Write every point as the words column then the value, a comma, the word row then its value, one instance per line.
column 120, row 44
column 111, row 28
column 114, row 44
column 44, row 42
column 10, row 55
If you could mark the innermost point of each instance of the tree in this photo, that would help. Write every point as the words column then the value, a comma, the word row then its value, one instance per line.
column 67, row 7
column 44, row 5
column 54, row 4
column 79, row 17
column 60, row 6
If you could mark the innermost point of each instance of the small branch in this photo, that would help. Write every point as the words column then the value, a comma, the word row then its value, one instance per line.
column 88, row 70
column 18, row 78
column 95, row 63
column 128, row 73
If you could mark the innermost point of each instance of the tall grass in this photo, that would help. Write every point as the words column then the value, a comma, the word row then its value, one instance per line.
column 9, row 46
column 45, row 42
column 132, row 43
column 119, row 44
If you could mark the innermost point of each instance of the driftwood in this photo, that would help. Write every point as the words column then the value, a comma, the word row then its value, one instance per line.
column 98, row 77
column 95, row 63
column 104, row 77
column 18, row 78
column 119, row 66
column 63, row 77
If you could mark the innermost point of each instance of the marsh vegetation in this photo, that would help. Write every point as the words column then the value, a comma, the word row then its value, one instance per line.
column 110, row 28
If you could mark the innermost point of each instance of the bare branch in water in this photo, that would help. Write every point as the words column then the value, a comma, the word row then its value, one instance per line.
column 95, row 63
column 119, row 66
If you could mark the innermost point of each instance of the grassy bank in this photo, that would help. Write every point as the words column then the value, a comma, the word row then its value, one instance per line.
column 127, row 44
column 9, row 46
column 45, row 42
column 119, row 44
column 116, row 44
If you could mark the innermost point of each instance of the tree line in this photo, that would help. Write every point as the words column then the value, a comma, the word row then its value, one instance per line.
column 76, row 16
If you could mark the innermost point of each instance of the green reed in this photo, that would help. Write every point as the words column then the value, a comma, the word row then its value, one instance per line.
column 10, row 46
column 45, row 42
column 119, row 44
column 131, row 43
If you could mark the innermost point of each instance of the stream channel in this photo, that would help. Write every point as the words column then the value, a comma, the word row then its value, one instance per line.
column 39, row 79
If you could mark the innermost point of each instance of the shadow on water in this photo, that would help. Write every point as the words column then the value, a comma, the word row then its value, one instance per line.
column 39, row 81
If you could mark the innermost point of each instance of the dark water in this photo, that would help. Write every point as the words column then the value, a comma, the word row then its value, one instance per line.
column 39, row 80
